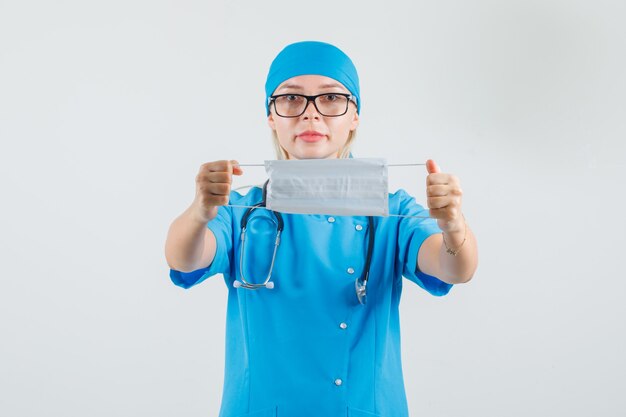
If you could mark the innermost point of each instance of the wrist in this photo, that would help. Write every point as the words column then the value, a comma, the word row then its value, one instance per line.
column 199, row 216
column 454, row 227
column 454, row 240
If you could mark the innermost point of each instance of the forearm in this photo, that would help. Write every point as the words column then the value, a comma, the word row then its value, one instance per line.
column 185, row 244
column 451, row 255
column 460, row 268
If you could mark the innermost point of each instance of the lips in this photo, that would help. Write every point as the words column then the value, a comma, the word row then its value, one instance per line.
column 311, row 136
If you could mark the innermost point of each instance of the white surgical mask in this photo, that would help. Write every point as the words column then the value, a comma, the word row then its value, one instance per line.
column 342, row 187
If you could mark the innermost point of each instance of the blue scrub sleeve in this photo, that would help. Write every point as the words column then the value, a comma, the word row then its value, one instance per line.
column 221, row 227
column 412, row 233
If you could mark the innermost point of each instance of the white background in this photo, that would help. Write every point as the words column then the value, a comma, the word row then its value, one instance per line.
column 107, row 110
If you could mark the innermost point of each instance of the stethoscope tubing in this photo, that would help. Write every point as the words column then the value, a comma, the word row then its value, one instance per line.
column 360, row 283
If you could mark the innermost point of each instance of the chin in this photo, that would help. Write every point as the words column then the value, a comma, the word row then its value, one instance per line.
column 312, row 154
column 318, row 156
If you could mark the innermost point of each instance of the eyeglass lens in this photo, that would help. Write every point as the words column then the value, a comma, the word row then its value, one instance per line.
column 327, row 105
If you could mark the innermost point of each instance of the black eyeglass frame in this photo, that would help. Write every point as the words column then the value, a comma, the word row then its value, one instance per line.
column 309, row 99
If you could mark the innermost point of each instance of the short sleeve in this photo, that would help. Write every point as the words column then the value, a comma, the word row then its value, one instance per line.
column 412, row 233
column 221, row 226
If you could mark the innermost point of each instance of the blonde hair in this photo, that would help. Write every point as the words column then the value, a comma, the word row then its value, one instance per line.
column 344, row 152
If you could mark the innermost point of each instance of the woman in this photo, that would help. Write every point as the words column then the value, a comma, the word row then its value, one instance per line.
column 308, row 347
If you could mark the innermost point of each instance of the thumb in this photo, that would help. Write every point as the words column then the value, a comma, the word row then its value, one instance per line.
column 236, row 168
column 432, row 167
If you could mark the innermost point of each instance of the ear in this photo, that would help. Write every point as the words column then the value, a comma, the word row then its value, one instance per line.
column 270, row 121
column 355, row 121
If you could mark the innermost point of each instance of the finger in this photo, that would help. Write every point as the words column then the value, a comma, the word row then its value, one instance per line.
column 435, row 213
column 438, row 202
column 207, row 178
column 446, row 213
column 432, row 167
column 219, row 177
column 217, row 166
column 437, row 178
column 440, row 190
column 437, row 190
column 213, row 189
column 216, row 200
column 219, row 189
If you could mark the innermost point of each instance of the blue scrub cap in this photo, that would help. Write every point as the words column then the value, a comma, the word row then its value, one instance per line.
column 312, row 58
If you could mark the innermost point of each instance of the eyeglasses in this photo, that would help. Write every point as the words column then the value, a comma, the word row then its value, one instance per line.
column 327, row 104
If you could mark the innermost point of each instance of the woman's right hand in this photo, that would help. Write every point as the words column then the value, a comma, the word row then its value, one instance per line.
column 213, row 188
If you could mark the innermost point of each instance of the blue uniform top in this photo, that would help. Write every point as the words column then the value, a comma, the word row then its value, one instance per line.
column 307, row 347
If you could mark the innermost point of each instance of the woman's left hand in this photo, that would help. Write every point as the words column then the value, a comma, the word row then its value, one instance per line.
column 444, row 198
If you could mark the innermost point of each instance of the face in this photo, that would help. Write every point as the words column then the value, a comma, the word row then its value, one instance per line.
column 311, row 135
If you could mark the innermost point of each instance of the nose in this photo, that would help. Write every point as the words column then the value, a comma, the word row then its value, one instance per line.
column 310, row 111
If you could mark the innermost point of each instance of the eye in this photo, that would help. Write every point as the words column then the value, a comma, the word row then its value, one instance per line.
column 291, row 97
column 330, row 97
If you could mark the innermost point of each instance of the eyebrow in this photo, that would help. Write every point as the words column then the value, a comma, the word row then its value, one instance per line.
column 297, row 87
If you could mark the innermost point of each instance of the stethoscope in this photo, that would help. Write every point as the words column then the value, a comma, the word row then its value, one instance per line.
column 360, row 284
